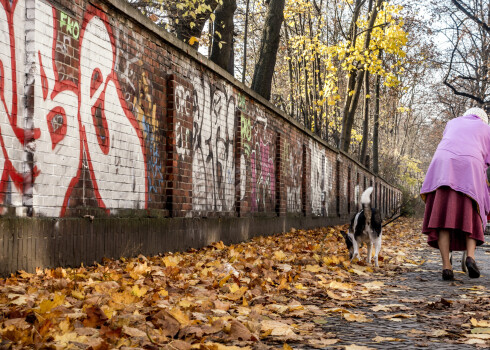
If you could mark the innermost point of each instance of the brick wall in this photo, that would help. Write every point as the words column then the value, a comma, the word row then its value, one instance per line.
column 105, row 115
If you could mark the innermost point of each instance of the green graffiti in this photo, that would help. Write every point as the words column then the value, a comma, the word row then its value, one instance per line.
column 72, row 27
column 242, row 103
column 246, row 133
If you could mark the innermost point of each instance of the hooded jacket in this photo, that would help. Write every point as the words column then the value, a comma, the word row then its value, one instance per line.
column 461, row 160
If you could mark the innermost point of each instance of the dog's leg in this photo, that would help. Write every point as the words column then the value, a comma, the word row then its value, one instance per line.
column 369, row 247
column 377, row 247
column 355, row 246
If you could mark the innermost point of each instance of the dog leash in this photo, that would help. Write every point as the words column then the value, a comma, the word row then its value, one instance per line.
column 389, row 222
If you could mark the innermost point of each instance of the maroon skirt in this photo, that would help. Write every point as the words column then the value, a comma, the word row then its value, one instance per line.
column 448, row 209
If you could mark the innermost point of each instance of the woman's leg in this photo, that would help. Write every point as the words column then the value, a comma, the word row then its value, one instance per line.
column 470, row 246
column 470, row 262
column 443, row 242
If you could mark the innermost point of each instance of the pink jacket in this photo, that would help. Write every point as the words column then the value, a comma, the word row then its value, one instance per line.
column 461, row 161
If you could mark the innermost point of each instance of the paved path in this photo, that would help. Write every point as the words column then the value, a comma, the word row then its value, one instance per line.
column 442, row 310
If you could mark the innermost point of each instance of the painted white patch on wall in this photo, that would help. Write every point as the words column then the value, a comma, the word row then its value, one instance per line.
column 116, row 158
column 318, row 180
column 57, row 155
column 12, row 81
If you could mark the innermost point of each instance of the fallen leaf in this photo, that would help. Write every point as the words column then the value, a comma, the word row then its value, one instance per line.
column 357, row 347
column 479, row 323
column 322, row 343
column 239, row 332
column 351, row 317
column 480, row 331
column 338, row 297
column 276, row 328
column 379, row 339
column 133, row 332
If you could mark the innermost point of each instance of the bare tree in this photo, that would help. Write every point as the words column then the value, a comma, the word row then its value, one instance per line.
column 468, row 64
column 264, row 69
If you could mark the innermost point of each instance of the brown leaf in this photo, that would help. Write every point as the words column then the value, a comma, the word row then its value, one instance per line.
column 133, row 332
column 215, row 327
column 95, row 317
column 110, row 333
column 169, row 325
column 239, row 332
column 177, row 344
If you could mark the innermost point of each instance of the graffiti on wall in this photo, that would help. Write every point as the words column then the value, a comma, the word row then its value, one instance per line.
column 257, row 166
column 13, row 137
column 137, row 91
column 213, row 164
column 321, row 184
column 71, row 117
column 145, row 111
column 292, row 157
column 183, row 107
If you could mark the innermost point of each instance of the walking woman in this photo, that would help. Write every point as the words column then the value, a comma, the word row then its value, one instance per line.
column 455, row 191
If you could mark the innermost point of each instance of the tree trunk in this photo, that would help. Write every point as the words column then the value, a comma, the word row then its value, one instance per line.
column 290, row 69
column 376, row 126
column 365, row 130
column 264, row 69
column 352, row 76
column 223, row 35
column 245, row 40
column 350, row 109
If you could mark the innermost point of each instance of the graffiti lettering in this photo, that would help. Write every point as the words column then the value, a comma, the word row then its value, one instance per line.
column 213, row 165
column 72, row 27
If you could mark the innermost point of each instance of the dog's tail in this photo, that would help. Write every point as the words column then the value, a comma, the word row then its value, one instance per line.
column 366, row 204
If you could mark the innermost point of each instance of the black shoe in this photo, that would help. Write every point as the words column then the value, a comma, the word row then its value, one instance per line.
column 473, row 270
column 447, row 275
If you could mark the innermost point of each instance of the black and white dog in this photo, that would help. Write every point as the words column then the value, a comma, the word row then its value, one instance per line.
column 365, row 227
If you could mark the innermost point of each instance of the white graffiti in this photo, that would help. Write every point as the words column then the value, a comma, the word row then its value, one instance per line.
column 321, row 180
column 182, row 95
column 213, row 165
column 293, row 159
column 91, row 118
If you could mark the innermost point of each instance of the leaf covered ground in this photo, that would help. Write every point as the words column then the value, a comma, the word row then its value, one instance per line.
column 293, row 290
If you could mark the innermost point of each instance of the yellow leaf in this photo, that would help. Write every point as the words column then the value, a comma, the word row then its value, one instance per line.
column 279, row 255
column 233, row 288
column 67, row 338
column 185, row 303
column 193, row 39
column 77, row 295
column 181, row 317
column 356, row 318
column 47, row 305
column 169, row 260
column 379, row 339
column 481, row 323
column 313, row 268
column 138, row 292
column 108, row 311
column 224, row 280
column 163, row 293
column 340, row 285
